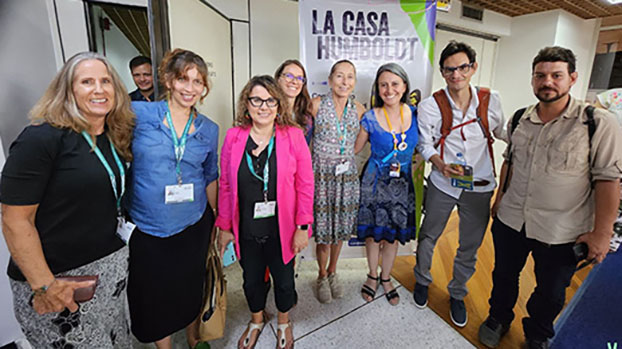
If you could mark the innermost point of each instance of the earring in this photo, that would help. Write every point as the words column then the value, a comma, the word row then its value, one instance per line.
column 168, row 95
column 247, row 115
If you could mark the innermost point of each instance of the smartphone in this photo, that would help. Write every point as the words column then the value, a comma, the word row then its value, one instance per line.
column 229, row 256
column 82, row 294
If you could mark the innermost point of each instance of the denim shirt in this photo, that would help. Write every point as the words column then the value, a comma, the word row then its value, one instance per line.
column 153, row 168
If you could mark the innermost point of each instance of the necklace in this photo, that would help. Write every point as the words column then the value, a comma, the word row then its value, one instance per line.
column 402, row 145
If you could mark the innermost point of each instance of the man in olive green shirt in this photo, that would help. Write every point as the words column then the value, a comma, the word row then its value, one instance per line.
column 562, row 191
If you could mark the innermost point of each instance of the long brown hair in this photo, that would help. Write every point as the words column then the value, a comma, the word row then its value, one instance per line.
column 303, row 100
column 58, row 106
column 283, row 118
column 176, row 63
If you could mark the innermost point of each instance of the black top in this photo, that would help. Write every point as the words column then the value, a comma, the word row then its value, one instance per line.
column 250, row 191
column 76, row 217
column 137, row 96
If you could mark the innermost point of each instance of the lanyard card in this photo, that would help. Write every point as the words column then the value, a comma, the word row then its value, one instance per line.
column 264, row 209
column 178, row 193
column 342, row 168
column 466, row 180
column 124, row 229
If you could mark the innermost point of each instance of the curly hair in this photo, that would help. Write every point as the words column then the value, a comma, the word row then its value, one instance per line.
column 58, row 106
column 283, row 118
column 303, row 100
column 176, row 63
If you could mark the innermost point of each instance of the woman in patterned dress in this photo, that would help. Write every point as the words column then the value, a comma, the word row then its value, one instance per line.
column 336, row 126
column 292, row 79
column 387, row 201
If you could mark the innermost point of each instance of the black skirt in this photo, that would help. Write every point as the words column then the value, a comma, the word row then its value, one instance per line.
column 165, row 286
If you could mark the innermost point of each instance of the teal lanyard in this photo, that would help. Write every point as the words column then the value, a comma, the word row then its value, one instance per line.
column 342, row 130
column 266, row 169
column 102, row 159
column 179, row 144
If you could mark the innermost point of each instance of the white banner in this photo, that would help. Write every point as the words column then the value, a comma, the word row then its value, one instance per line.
column 369, row 33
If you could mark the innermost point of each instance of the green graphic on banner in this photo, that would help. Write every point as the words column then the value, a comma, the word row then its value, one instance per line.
column 416, row 10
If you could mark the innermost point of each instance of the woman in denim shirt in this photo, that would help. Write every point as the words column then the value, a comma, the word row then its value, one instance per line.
column 175, row 161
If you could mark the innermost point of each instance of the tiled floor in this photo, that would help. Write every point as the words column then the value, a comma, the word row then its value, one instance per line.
column 344, row 323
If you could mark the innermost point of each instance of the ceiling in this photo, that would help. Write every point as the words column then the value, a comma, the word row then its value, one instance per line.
column 132, row 21
column 582, row 8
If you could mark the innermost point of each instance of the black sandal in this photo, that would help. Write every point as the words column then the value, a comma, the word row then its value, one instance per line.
column 367, row 290
column 391, row 294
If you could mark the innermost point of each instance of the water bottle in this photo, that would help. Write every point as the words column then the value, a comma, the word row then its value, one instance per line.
column 460, row 159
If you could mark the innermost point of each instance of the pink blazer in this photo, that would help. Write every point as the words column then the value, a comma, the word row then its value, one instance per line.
column 294, row 184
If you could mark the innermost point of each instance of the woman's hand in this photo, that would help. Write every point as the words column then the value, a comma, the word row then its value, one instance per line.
column 224, row 238
column 58, row 296
column 301, row 240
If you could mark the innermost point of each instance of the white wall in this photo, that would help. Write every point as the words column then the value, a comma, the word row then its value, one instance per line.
column 196, row 27
column 581, row 36
column 492, row 22
column 274, row 34
column 516, row 53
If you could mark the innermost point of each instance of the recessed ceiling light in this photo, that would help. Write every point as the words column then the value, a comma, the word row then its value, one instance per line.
column 614, row 2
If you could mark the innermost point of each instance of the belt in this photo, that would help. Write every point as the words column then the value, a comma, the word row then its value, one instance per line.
column 481, row 183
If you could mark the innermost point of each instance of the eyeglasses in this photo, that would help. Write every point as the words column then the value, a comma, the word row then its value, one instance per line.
column 290, row 77
column 462, row 69
column 258, row 102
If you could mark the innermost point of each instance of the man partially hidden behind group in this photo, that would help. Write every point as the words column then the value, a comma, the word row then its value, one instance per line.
column 140, row 66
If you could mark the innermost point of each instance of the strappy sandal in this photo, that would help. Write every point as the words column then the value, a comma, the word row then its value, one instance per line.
column 391, row 294
column 249, row 332
column 282, row 338
column 368, row 291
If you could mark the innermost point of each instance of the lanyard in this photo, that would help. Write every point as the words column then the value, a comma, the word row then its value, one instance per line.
column 111, row 175
column 179, row 144
column 342, row 130
column 266, row 169
column 403, row 136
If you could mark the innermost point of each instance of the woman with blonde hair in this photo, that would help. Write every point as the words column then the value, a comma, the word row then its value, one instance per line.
column 265, row 201
column 172, row 201
column 61, row 190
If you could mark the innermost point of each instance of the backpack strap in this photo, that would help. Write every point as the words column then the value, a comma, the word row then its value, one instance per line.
column 446, row 116
column 515, row 120
column 591, row 129
column 483, row 96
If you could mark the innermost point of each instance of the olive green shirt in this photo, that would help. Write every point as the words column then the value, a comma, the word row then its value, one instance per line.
column 550, row 190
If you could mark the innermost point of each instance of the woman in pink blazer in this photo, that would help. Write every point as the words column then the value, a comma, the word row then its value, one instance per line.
column 265, row 201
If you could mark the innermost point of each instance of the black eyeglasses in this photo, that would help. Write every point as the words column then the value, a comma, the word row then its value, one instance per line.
column 462, row 69
column 258, row 102
column 290, row 77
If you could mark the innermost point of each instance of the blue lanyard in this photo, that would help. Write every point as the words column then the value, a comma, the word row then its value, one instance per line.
column 266, row 169
column 179, row 144
column 102, row 159
column 342, row 130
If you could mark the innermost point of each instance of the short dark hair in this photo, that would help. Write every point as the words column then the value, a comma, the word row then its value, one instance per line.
column 556, row 54
column 139, row 60
column 454, row 47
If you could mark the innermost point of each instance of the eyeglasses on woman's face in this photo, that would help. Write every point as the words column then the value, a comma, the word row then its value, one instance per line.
column 258, row 102
column 291, row 77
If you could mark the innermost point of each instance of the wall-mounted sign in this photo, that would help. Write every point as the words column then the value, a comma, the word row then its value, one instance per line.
column 443, row 5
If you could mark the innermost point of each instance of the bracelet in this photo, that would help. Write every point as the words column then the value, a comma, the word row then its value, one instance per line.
column 42, row 290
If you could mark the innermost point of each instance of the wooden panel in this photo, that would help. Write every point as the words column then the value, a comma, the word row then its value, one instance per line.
column 479, row 286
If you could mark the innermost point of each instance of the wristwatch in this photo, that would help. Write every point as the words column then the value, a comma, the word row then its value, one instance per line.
column 303, row 227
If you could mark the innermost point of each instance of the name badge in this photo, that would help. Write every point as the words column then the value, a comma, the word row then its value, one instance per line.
column 394, row 170
column 342, row 168
column 124, row 229
column 178, row 193
column 264, row 209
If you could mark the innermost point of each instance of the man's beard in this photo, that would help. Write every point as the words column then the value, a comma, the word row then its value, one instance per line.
column 551, row 99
